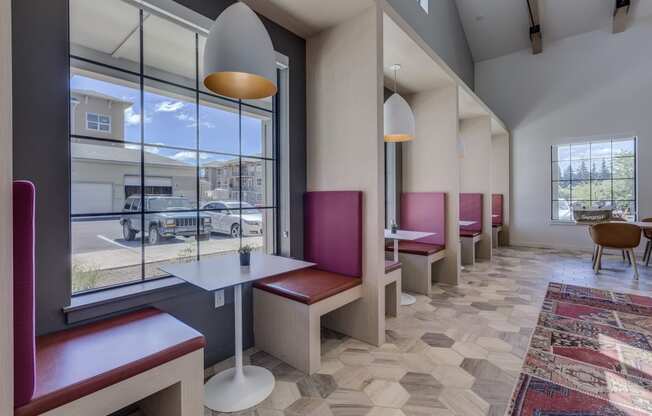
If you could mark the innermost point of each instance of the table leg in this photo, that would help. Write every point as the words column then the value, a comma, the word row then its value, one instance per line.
column 406, row 299
column 240, row 387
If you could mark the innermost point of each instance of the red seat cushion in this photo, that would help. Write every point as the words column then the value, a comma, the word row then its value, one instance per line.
column 77, row 362
column 308, row 285
column 496, row 225
column 469, row 233
column 412, row 247
column 391, row 265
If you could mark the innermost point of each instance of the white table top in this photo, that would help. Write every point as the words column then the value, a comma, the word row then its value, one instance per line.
column 406, row 235
column 220, row 272
column 467, row 223
column 640, row 224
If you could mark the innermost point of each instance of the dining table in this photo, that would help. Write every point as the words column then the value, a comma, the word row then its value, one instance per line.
column 239, row 387
column 405, row 235
column 467, row 223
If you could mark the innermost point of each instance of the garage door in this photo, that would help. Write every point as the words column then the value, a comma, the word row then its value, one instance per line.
column 92, row 198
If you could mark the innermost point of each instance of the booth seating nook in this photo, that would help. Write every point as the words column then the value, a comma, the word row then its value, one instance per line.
column 470, row 235
column 145, row 356
column 288, row 308
column 496, row 219
column 426, row 212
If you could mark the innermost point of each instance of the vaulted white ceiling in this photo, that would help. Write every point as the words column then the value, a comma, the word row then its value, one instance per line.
column 498, row 27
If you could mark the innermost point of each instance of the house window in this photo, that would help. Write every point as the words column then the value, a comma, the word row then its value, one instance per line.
column 146, row 195
column 424, row 5
column 598, row 174
column 98, row 122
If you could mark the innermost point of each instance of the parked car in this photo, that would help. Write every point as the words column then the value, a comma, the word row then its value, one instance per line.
column 162, row 224
column 226, row 218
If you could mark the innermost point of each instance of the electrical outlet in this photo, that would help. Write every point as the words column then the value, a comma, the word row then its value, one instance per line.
column 219, row 298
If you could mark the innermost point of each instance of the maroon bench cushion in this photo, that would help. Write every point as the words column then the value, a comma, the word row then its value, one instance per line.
column 308, row 285
column 471, row 210
column 413, row 247
column 467, row 233
column 391, row 265
column 496, row 210
column 77, row 362
column 425, row 211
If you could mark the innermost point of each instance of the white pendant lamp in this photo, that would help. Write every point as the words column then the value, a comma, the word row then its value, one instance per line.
column 399, row 118
column 239, row 58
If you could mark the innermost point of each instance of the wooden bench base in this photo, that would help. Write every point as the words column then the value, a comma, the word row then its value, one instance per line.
column 392, row 285
column 496, row 233
column 175, row 388
column 417, row 271
column 290, row 330
column 469, row 249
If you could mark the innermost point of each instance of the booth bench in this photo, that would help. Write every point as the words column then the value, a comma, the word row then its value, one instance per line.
column 288, row 308
column 99, row 368
column 422, row 211
column 392, row 285
column 496, row 219
column 471, row 234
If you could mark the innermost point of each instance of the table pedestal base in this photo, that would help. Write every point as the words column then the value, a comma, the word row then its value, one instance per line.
column 407, row 299
column 231, row 392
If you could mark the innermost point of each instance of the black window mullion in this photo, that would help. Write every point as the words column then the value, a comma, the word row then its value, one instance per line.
column 240, row 167
column 142, row 148
column 197, row 143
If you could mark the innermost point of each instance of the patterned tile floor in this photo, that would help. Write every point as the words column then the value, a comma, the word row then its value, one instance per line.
column 455, row 353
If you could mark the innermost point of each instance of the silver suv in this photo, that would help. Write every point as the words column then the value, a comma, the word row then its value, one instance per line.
column 162, row 224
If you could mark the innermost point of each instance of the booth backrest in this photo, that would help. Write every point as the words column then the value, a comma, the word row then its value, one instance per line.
column 24, row 325
column 333, row 231
column 425, row 211
column 497, row 209
column 471, row 210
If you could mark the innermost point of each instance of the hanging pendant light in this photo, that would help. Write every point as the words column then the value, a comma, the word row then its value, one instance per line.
column 239, row 58
column 399, row 118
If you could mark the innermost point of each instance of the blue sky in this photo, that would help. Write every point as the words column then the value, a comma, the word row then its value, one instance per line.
column 172, row 121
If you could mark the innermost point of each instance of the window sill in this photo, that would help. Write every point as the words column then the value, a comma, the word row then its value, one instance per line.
column 106, row 302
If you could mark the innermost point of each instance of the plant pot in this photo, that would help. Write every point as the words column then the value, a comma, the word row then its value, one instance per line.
column 245, row 259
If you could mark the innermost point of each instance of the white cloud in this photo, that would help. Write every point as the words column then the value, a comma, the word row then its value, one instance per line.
column 184, row 156
column 168, row 106
column 185, row 117
column 133, row 119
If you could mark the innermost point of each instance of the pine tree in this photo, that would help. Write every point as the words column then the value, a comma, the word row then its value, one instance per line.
column 584, row 171
column 604, row 170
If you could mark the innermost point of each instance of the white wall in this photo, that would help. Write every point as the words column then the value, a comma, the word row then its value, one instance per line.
column 6, row 242
column 345, row 149
column 500, row 176
column 594, row 84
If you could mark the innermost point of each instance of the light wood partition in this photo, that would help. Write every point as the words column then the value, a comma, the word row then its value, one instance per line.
column 431, row 164
column 475, row 134
column 6, row 243
column 500, row 177
column 345, row 149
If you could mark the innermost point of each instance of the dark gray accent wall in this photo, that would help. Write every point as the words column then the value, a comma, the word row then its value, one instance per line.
column 442, row 30
column 41, row 154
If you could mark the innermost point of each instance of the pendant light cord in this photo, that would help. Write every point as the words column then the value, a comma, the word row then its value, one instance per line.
column 395, row 82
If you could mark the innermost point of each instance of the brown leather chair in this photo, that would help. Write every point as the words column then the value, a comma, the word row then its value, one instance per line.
column 619, row 236
column 648, row 246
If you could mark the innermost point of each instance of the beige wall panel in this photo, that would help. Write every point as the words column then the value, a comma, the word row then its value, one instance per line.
column 431, row 164
column 345, row 148
column 475, row 174
column 6, row 287
column 500, row 176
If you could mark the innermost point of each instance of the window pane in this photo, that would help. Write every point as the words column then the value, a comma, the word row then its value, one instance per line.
column 171, row 238
column 257, row 182
column 104, row 251
column 602, row 205
column 581, row 191
column 580, row 151
column 561, row 211
column 601, row 149
column 560, row 153
column 169, row 51
column 219, row 178
column 257, row 226
column 93, row 93
column 601, row 168
column 623, row 147
column 626, row 209
column 580, row 170
column 98, row 172
column 624, row 189
column 257, row 133
column 580, row 205
column 170, row 114
column 106, row 32
column 561, row 171
column 561, row 191
column 219, row 126
column 601, row 190
column 171, row 177
column 623, row 167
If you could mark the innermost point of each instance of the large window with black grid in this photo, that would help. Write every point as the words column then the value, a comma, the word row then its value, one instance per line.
column 162, row 170
column 596, row 174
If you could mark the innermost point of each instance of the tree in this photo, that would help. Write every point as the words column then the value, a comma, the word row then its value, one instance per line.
column 584, row 171
column 604, row 170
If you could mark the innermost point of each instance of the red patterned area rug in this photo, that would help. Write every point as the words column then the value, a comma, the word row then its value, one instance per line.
column 590, row 355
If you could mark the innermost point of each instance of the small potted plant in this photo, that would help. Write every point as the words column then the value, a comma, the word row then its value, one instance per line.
column 245, row 255
column 394, row 227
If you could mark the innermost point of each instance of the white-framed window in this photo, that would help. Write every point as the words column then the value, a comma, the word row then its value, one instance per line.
column 98, row 122
column 424, row 5
column 596, row 174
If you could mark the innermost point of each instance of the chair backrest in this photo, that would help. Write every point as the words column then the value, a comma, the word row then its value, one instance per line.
column 426, row 212
column 24, row 195
column 471, row 210
column 333, row 231
column 497, row 209
column 616, row 235
column 647, row 233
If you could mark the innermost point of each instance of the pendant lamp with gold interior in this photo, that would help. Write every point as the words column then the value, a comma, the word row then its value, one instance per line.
column 399, row 118
column 239, row 58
